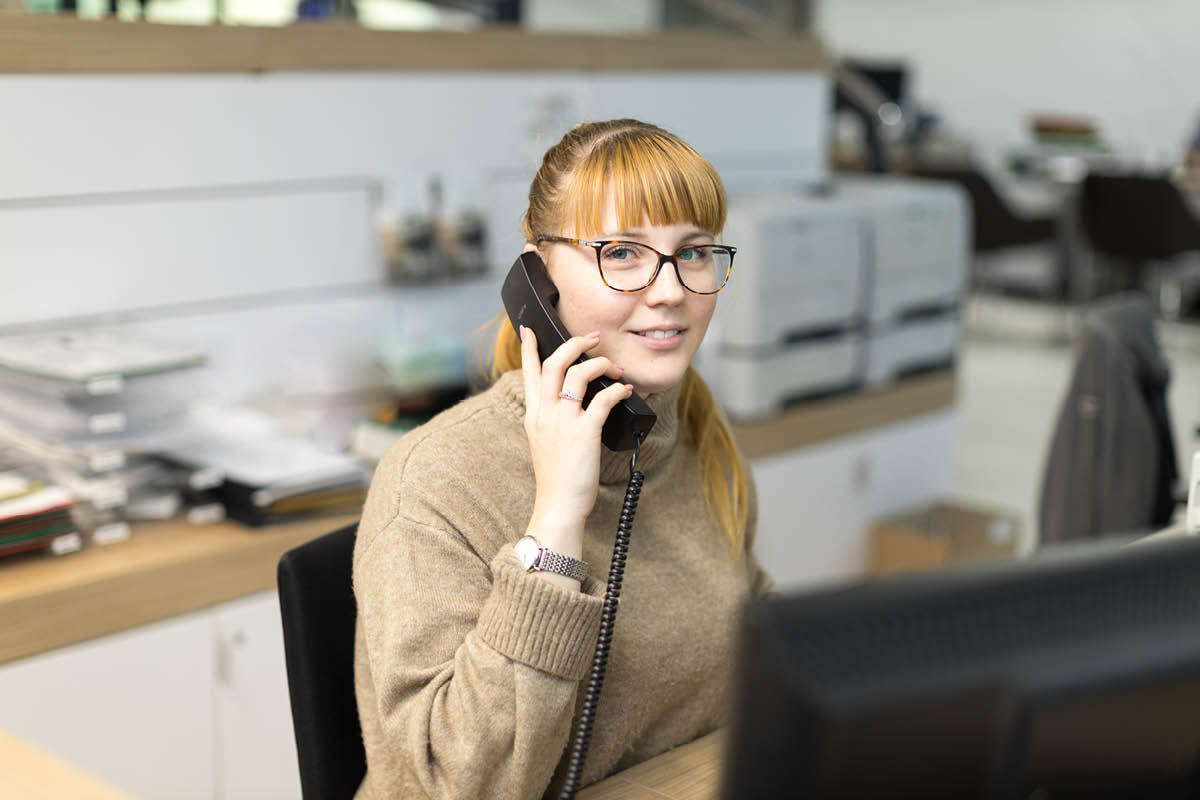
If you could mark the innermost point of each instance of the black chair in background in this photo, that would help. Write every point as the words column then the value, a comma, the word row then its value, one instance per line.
column 997, row 227
column 1132, row 220
column 316, row 600
column 1139, row 217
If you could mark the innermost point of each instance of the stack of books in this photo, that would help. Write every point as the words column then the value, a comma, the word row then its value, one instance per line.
column 1066, row 132
column 34, row 516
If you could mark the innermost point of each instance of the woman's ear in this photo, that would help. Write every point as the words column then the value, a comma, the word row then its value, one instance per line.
column 530, row 247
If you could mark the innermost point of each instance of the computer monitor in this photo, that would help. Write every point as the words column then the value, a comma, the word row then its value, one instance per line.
column 891, row 77
column 1076, row 674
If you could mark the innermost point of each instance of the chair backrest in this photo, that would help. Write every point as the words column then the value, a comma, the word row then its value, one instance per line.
column 316, row 599
column 1139, row 217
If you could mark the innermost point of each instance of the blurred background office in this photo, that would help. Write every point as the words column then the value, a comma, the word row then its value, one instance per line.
column 246, row 244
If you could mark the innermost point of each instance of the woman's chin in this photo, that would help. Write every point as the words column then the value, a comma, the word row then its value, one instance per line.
column 655, row 383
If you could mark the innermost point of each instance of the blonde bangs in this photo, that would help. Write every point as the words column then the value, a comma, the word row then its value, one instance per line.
column 651, row 177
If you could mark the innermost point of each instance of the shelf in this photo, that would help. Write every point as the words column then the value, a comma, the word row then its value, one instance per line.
column 847, row 414
column 51, row 44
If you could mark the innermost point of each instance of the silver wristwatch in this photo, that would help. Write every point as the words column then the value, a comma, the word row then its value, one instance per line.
column 536, row 558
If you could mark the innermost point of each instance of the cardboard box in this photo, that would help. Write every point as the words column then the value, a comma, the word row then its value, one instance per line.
column 939, row 534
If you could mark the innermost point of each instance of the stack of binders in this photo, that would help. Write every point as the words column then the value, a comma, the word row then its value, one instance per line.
column 34, row 516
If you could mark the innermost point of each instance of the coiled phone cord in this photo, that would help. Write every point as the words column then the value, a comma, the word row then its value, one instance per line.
column 608, row 616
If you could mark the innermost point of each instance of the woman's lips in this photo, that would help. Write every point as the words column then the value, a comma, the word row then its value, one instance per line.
column 655, row 340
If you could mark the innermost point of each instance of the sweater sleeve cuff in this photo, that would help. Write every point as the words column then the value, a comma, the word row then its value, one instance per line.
column 538, row 623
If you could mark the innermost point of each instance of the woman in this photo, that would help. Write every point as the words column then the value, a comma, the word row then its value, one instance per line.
column 469, row 667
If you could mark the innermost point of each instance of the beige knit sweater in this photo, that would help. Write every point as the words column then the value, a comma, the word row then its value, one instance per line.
column 469, row 671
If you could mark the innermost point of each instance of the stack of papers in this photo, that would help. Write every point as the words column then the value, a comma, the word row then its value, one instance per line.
column 82, row 408
column 92, row 387
column 34, row 516
column 270, row 476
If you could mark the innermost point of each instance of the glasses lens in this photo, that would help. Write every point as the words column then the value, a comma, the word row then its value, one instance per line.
column 630, row 266
column 627, row 265
column 704, row 268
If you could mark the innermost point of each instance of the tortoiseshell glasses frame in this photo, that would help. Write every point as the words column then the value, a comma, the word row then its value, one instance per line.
column 599, row 245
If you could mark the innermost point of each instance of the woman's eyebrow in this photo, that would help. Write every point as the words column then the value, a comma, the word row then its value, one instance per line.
column 696, row 234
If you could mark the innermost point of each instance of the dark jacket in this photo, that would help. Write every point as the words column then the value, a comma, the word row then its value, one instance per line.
column 1112, row 465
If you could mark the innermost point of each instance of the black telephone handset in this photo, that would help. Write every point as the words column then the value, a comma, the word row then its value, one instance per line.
column 530, row 298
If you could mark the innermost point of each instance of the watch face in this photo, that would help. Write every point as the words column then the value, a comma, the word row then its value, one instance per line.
column 527, row 551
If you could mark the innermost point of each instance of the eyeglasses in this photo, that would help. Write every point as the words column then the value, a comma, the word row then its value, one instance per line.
column 631, row 266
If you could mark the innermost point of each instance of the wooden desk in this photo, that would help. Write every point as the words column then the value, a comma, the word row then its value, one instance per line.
column 689, row 772
column 30, row 774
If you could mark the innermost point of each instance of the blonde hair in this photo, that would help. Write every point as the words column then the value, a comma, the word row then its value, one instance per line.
column 650, row 173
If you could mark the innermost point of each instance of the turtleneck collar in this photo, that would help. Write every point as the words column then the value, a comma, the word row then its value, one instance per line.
column 614, row 466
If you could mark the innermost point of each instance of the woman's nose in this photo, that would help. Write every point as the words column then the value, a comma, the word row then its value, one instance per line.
column 666, row 288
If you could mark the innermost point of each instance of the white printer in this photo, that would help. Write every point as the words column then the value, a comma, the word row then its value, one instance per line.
column 789, row 324
column 860, row 283
column 917, row 237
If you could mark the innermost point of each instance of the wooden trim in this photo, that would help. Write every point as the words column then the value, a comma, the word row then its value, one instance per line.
column 689, row 772
column 31, row 774
column 33, row 43
column 812, row 423
column 165, row 569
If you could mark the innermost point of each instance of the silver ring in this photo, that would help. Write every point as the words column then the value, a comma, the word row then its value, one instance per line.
column 565, row 395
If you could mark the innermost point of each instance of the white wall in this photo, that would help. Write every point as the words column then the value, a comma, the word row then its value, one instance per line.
column 81, row 134
column 986, row 66
column 236, row 211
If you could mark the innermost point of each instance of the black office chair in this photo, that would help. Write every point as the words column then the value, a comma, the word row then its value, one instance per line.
column 995, row 224
column 316, row 601
column 1138, row 216
column 1134, row 219
column 996, row 227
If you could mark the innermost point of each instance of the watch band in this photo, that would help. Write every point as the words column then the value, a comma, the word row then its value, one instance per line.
column 551, row 561
column 536, row 558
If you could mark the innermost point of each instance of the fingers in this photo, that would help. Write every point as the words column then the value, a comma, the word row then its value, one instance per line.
column 531, row 369
column 580, row 375
column 545, row 379
column 604, row 401
column 555, row 367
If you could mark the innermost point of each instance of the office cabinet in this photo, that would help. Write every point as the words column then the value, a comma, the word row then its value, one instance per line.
column 135, row 709
column 193, row 708
column 255, row 746
column 812, row 504
column 816, row 503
